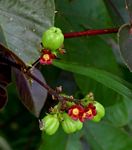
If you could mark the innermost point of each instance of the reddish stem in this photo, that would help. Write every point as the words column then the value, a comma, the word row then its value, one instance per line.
column 90, row 32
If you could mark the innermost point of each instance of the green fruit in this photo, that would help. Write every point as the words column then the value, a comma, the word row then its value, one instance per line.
column 100, row 111
column 68, row 124
column 51, row 124
column 53, row 38
column 78, row 124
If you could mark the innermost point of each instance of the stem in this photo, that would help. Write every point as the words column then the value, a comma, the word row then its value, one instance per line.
column 90, row 32
column 49, row 89
column 29, row 74
column 36, row 62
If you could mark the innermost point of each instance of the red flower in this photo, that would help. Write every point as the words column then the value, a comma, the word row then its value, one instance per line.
column 78, row 112
column 47, row 57
column 75, row 112
column 90, row 111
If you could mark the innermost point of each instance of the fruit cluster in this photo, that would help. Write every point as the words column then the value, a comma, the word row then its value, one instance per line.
column 52, row 41
column 73, row 116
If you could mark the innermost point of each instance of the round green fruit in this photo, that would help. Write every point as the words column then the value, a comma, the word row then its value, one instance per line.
column 53, row 38
column 100, row 111
column 68, row 124
column 51, row 124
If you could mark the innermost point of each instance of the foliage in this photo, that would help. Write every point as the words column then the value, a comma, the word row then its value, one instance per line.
column 91, row 64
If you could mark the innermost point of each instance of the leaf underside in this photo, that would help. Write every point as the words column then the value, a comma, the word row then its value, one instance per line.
column 32, row 95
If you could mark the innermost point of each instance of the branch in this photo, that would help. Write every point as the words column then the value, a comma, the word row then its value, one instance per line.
column 27, row 71
column 90, row 32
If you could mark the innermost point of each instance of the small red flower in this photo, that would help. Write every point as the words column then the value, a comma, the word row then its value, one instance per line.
column 75, row 112
column 47, row 57
column 90, row 111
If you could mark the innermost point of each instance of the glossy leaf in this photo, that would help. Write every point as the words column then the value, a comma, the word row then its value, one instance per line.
column 102, row 134
column 32, row 94
column 109, row 80
column 23, row 23
column 125, row 40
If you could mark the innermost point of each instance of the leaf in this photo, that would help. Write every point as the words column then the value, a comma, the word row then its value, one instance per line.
column 32, row 94
column 129, row 8
column 125, row 40
column 102, row 134
column 117, row 114
column 60, row 140
column 117, row 11
column 83, row 13
column 48, row 142
column 3, row 97
column 109, row 80
column 23, row 23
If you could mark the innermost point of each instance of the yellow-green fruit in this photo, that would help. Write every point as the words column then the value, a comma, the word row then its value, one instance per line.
column 68, row 124
column 78, row 124
column 51, row 124
column 100, row 111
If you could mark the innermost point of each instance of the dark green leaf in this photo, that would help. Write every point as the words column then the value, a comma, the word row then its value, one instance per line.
column 117, row 11
column 32, row 95
column 125, row 43
column 83, row 12
column 107, row 79
column 53, row 141
column 61, row 140
column 107, row 137
column 23, row 23
column 117, row 114
column 3, row 97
